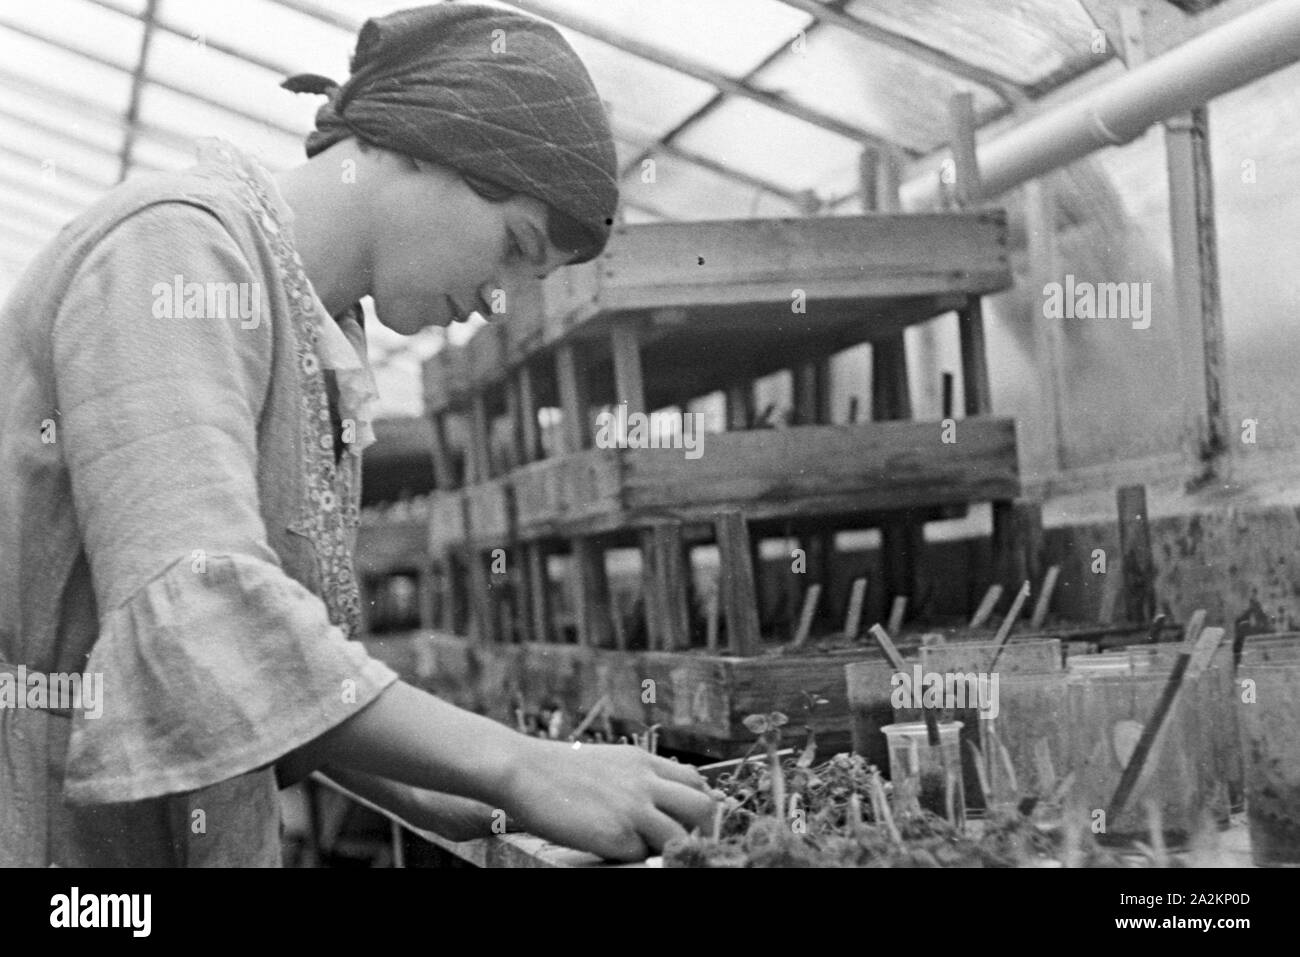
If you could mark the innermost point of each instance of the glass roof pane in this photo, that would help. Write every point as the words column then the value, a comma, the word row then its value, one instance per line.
column 19, row 169
column 149, row 150
column 872, row 86
column 684, row 191
column 82, row 26
column 35, row 207
column 1025, row 41
column 728, row 36
column 194, row 67
column 643, row 95
column 61, row 155
column 45, row 206
column 267, row 31
column 66, row 72
column 97, row 132
column 781, row 149
column 196, row 119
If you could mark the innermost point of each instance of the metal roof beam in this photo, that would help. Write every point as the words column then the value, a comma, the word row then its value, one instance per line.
column 323, row 14
column 23, row 188
column 713, row 166
column 1009, row 91
column 722, row 82
column 88, row 109
column 162, row 85
column 225, row 49
column 137, row 87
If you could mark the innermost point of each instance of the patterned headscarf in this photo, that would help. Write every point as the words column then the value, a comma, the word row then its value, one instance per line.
column 494, row 94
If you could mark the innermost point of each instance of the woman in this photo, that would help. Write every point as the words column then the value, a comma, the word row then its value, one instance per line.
column 185, row 404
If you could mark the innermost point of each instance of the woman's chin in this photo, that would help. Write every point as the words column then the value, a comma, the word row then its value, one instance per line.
column 408, row 323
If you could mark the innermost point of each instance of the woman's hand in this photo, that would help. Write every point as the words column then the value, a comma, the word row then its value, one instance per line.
column 616, row 801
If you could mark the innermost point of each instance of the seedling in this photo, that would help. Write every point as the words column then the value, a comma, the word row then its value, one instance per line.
column 768, row 728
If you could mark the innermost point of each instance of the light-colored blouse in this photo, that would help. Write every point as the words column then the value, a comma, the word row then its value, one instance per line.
column 173, row 517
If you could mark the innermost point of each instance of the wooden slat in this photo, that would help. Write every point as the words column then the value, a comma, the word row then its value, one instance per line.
column 488, row 511
column 740, row 405
column 657, row 265
column 862, row 468
column 529, row 433
column 485, row 623
column 740, row 599
column 974, row 359
column 515, row 446
column 1017, row 541
column 479, row 453
column 890, row 396
column 1135, row 549
column 446, row 521
column 591, row 593
column 574, row 398
column 391, row 546
column 961, row 113
column 539, row 592
column 444, row 476
column 629, row 386
column 667, row 574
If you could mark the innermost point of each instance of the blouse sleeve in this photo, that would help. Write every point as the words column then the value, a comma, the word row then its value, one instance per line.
column 214, row 661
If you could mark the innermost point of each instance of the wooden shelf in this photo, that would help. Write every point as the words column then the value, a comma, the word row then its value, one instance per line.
column 848, row 469
column 690, row 287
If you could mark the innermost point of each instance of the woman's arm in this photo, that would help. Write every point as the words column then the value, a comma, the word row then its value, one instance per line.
column 455, row 818
column 613, row 800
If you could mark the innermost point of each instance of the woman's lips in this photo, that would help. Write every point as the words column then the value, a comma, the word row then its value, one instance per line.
column 457, row 314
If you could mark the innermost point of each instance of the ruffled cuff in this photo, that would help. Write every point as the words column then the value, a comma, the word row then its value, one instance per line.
column 210, row 671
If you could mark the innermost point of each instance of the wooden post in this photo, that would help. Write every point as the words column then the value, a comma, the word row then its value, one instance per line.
column 967, row 188
column 591, row 593
column 428, row 600
column 890, row 396
column 574, row 398
column 539, row 591
column 1049, row 349
column 629, row 385
column 521, row 593
column 812, row 406
column 515, row 454
column 667, row 573
column 974, row 361
column 739, row 598
column 869, row 162
column 1017, row 542
column 529, row 434
column 740, row 406
column 889, row 179
column 444, row 476
column 480, row 444
column 901, row 539
column 1136, row 557
column 1196, row 283
column 812, row 392
column 485, row 623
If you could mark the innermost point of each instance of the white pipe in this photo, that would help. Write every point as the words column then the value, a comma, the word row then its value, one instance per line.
column 1223, row 59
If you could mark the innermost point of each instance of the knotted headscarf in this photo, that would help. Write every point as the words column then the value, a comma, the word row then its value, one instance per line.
column 492, row 93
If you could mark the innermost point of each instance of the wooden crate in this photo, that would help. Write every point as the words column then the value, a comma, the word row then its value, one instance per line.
column 391, row 546
column 850, row 469
column 699, row 700
column 446, row 521
column 488, row 511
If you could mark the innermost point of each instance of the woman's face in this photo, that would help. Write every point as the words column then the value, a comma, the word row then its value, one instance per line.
column 440, row 251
